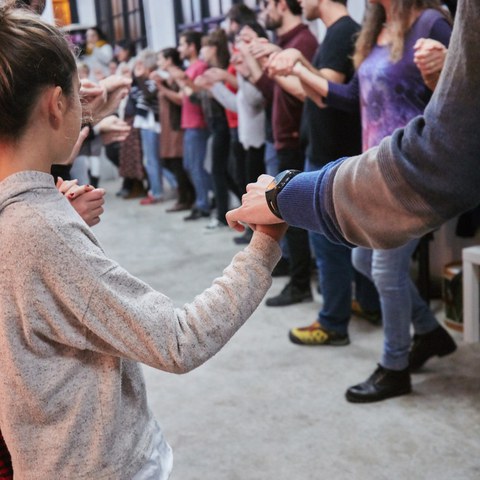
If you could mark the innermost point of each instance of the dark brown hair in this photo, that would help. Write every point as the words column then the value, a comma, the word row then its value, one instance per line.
column 218, row 38
column 34, row 55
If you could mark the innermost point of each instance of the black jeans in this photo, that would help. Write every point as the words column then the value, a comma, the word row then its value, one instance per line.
column 221, row 178
column 186, row 192
column 297, row 238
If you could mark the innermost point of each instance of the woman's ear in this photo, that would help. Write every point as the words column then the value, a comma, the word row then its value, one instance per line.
column 57, row 106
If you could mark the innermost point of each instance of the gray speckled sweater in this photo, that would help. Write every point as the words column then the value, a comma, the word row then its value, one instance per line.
column 74, row 324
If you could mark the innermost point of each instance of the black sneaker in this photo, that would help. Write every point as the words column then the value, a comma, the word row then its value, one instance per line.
column 382, row 384
column 289, row 296
column 435, row 343
column 195, row 214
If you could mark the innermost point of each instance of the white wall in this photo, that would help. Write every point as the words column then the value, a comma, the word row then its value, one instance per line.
column 356, row 9
column 86, row 13
column 159, row 23
column 47, row 14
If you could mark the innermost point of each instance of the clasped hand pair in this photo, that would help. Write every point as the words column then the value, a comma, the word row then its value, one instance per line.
column 255, row 213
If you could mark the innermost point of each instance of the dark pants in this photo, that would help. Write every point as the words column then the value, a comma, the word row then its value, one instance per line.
column 297, row 238
column 221, row 178
column 254, row 163
column 237, row 158
column 186, row 192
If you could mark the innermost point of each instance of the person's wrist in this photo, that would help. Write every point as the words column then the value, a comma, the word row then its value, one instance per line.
column 275, row 187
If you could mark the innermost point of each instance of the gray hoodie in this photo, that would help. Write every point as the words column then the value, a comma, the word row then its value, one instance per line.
column 74, row 324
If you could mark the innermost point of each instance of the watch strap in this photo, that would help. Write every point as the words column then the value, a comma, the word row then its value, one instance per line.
column 279, row 183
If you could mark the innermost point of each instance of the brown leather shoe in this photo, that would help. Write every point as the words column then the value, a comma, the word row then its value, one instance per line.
column 137, row 191
column 179, row 207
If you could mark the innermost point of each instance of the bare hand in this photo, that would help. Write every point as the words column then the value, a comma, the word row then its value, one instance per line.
column 282, row 63
column 261, row 48
column 177, row 73
column 78, row 145
column 117, row 88
column 202, row 82
column 429, row 58
column 93, row 96
column 215, row 75
column 112, row 129
column 71, row 189
column 89, row 205
column 254, row 210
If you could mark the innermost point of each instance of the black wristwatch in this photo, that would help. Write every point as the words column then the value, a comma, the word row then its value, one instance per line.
column 275, row 187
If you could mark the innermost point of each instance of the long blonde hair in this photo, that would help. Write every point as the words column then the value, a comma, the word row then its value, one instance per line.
column 401, row 15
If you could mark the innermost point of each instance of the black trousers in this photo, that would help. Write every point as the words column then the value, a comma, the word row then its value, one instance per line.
column 222, row 180
column 186, row 192
column 296, row 238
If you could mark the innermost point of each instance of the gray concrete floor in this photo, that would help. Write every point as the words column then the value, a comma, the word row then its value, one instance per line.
column 265, row 409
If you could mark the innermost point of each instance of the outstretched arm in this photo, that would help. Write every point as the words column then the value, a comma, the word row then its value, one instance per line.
column 415, row 180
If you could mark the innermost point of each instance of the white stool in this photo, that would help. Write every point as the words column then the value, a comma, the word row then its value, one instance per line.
column 471, row 296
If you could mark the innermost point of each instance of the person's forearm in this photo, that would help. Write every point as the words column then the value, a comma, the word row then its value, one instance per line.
column 254, row 67
column 145, row 326
column 224, row 96
column 311, row 79
column 313, row 95
column 291, row 85
column 231, row 80
column 416, row 179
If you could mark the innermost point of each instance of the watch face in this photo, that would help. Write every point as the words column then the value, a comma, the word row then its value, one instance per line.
column 272, row 184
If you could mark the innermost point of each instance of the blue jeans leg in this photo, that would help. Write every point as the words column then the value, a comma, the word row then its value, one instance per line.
column 390, row 271
column 365, row 293
column 153, row 167
column 335, row 274
column 195, row 148
column 271, row 159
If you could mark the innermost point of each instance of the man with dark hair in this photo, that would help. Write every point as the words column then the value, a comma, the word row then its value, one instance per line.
column 193, row 122
column 284, row 17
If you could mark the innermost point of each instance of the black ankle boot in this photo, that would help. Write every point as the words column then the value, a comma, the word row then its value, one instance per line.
column 435, row 343
column 382, row 384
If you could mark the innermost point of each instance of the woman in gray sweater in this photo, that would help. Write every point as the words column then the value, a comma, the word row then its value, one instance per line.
column 73, row 331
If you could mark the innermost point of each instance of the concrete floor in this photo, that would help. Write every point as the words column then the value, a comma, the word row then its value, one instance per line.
column 265, row 409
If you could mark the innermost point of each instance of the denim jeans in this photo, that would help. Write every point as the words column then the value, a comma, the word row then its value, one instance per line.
column 335, row 275
column 194, row 151
column 399, row 299
column 271, row 160
column 150, row 146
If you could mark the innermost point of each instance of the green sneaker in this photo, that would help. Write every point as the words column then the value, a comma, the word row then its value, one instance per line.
column 315, row 334
column 373, row 317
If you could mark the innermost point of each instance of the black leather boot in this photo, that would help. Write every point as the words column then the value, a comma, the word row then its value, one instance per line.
column 435, row 343
column 382, row 384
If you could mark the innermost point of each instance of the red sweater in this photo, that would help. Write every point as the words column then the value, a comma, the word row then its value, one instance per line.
column 6, row 472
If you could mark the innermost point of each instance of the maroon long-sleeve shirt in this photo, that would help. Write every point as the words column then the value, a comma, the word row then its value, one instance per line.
column 287, row 109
